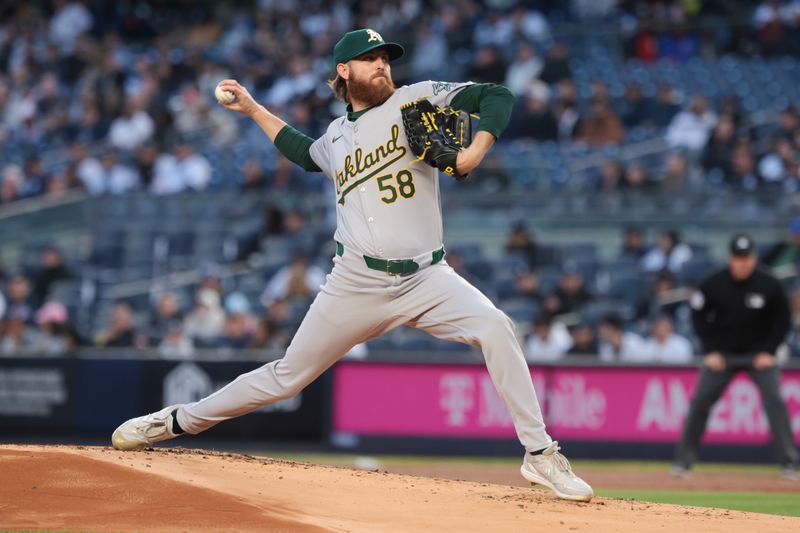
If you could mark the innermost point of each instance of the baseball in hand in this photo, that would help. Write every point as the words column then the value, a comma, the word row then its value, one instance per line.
column 224, row 97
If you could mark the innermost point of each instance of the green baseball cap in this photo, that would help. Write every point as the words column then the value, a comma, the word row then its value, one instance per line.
column 358, row 42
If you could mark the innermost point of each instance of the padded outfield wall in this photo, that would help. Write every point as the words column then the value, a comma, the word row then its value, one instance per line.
column 389, row 407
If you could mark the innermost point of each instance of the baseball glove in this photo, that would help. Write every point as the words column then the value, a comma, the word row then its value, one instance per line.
column 436, row 134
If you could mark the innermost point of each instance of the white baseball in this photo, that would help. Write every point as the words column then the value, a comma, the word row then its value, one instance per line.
column 223, row 96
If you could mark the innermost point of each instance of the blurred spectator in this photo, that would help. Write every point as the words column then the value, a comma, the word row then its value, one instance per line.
column 690, row 129
column 493, row 29
column 524, row 70
column 206, row 322
column 488, row 66
column 456, row 261
column 530, row 24
column 633, row 245
column 743, row 167
column 70, row 20
column 237, row 335
column 131, row 129
column 601, row 126
column 634, row 107
column 175, row 343
column 584, row 341
column 52, row 269
column 34, row 178
column 180, row 171
column 145, row 163
column 264, row 336
column 121, row 331
column 521, row 242
column 644, row 45
column 166, row 312
column 193, row 168
column 297, row 280
column 636, row 178
column 255, row 179
column 431, row 55
column 56, row 335
column 771, row 30
column 533, row 119
column 280, row 322
column 611, row 176
column 785, row 255
column 788, row 124
column 779, row 163
column 11, row 186
column 236, row 303
column 617, row 344
column 549, row 341
column 678, row 45
column 556, row 66
column 16, row 337
column 665, row 107
column 669, row 254
column 571, row 291
column 526, row 285
column 719, row 149
column 107, row 175
column 676, row 176
column 65, row 180
column 19, row 304
column 666, row 346
column 663, row 300
column 565, row 110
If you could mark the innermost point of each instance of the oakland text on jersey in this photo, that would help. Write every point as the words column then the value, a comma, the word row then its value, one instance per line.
column 357, row 163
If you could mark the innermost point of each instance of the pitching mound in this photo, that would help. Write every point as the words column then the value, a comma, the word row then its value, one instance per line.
column 100, row 489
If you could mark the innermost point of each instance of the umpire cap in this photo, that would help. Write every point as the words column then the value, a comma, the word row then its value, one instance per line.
column 742, row 245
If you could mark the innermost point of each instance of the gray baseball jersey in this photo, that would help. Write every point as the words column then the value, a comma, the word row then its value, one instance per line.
column 387, row 201
column 388, row 208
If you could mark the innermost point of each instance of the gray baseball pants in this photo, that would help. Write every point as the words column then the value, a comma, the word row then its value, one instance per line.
column 357, row 304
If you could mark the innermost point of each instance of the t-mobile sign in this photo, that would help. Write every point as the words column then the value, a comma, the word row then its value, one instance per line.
column 590, row 403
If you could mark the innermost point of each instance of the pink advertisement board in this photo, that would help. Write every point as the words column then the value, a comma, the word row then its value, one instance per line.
column 580, row 403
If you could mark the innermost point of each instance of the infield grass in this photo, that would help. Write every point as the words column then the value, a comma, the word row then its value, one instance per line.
column 778, row 503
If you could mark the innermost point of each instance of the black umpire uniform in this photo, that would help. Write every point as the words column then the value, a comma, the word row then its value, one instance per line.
column 741, row 314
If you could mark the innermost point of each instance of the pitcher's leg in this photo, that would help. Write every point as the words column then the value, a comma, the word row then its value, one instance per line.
column 455, row 310
column 332, row 326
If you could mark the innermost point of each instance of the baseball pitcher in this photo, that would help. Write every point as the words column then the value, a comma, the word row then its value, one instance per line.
column 384, row 157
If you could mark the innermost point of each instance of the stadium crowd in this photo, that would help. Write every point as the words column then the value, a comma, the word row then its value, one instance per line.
column 567, row 315
column 113, row 97
column 109, row 98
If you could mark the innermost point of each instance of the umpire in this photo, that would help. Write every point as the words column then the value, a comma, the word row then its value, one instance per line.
column 741, row 315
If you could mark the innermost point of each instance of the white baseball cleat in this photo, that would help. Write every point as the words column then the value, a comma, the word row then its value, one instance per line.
column 552, row 469
column 143, row 431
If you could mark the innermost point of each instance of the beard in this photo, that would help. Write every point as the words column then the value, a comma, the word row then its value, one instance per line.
column 372, row 91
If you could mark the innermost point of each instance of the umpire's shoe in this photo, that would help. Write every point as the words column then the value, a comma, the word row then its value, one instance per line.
column 143, row 431
column 551, row 469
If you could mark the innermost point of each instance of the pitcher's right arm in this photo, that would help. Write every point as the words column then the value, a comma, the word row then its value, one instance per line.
column 293, row 144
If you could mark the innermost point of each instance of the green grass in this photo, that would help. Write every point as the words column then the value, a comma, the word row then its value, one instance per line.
column 778, row 503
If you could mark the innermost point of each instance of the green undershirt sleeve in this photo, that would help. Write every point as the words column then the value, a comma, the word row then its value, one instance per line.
column 295, row 146
column 493, row 102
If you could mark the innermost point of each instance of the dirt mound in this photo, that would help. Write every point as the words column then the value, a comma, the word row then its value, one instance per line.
column 100, row 489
